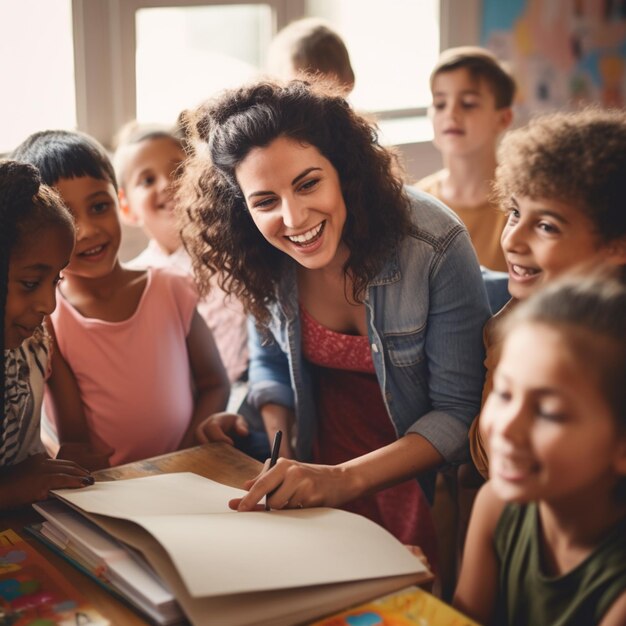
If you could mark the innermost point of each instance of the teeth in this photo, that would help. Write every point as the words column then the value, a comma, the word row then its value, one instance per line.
column 307, row 237
column 524, row 271
column 92, row 251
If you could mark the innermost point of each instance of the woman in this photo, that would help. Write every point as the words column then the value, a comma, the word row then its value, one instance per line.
column 368, row 301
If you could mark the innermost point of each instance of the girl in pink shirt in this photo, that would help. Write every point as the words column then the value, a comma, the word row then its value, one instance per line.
column 135, row 367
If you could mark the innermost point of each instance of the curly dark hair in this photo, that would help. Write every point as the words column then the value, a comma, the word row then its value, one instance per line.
column 217, row 228
column 578, row 158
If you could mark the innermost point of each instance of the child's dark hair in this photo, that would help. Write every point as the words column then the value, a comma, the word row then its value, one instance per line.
column 481, row 64
column 26, row 206
column 591, row 308
column 577, row 158
column 65, row 154
column 134, row 133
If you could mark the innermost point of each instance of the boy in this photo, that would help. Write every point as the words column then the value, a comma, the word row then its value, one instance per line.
column 311, row 46
column 472, row 98
column 147, row 160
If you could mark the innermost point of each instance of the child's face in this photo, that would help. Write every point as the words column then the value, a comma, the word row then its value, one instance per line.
column 544, row 238
column 93, row 204
column 464, row 114
column 551, row 432
column 147, row 197
column 34, row 271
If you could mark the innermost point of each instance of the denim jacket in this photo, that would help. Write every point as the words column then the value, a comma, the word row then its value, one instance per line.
column 425, row 314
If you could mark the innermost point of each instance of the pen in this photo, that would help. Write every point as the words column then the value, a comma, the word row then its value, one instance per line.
column 275, row 448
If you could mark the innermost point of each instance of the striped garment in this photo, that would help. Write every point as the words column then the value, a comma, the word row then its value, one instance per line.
column 26, row 369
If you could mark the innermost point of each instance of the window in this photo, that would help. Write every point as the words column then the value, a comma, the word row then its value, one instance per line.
column 96, row 65
column 37, row 69
column 206, row 49
column 393, row 47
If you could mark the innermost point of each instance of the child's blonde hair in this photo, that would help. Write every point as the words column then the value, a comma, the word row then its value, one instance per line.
column 310, row 46
column 578, row 158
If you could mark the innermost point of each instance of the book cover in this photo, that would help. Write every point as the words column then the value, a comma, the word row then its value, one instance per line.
column 34, row 593
column 404, row 608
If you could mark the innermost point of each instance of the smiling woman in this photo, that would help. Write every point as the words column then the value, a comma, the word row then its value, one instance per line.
column 368, row 300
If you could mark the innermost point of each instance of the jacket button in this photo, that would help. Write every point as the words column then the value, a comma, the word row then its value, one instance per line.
column 374, row 348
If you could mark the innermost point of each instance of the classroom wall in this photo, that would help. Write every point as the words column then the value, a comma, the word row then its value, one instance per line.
column 564, row 53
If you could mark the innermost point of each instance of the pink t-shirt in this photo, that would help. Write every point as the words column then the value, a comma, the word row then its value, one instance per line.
column 223, row 314
column 134, row 376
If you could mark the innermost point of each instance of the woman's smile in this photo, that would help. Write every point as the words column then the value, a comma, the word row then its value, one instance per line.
column 295, row 200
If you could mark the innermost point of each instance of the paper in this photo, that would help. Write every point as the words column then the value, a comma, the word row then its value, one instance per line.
column 189, row 516
column 272, row 608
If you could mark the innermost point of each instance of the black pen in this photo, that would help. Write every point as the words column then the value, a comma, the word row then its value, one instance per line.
column 275, row 448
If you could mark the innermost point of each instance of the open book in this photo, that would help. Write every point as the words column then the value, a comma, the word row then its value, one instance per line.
column 234, row 569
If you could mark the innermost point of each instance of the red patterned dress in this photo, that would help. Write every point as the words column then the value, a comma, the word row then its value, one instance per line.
column 352, row 421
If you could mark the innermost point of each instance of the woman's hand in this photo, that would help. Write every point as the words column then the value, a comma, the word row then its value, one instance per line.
column 85, row 455
column 217, row 426
column 33, row 479
column 294, row 485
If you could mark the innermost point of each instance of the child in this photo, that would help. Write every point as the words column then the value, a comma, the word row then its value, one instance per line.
column 311, row 46
column 547, row 538
column 145, row 362
column 36, row 241
column 561, row 181
column 472, row 98
column 147, row 161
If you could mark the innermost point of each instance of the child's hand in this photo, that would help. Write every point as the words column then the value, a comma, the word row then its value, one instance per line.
column 33, row 479
column 85, row 455
column 216, row 426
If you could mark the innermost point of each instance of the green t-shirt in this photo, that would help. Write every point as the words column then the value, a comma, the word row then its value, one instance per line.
column 527, row 597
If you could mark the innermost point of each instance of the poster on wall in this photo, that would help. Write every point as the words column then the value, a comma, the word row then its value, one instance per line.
column 564, row 53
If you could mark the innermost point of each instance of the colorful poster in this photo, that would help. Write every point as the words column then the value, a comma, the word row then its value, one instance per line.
column 564, row 53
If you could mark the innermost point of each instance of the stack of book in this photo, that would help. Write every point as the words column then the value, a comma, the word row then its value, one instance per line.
column 178, row 538
column 115, row 566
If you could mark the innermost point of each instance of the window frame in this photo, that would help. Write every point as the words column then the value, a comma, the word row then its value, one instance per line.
column 104, row 42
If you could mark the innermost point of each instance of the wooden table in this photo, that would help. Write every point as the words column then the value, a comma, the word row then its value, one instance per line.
column 217, row 461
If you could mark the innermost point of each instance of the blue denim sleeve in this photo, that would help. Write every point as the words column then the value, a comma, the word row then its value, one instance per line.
column 454, row 349
column 268, row 371
column 497, row 285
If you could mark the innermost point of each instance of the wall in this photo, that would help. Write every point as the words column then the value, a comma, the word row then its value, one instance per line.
column 564, row 53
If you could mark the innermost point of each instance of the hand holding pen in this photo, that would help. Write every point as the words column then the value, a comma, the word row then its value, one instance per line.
column 278, row 437
column 295, row 485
